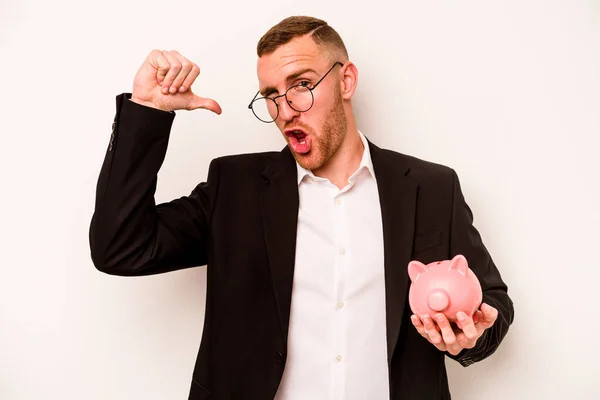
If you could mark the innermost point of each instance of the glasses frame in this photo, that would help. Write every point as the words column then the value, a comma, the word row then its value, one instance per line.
column 286, row 98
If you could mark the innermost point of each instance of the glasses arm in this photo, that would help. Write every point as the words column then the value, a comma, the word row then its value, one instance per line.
column 252, row 101
column 327, row 73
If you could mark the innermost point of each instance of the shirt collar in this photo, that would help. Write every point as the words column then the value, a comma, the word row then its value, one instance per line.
column 365, row 162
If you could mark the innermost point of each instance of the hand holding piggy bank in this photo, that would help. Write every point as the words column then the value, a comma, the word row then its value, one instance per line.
column 446, row 287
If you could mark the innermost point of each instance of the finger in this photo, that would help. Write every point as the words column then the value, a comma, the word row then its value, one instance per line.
column 173, row 71
column 160, row 62
column 418, row 324
column 490, row 314
column 480, row 327
column 416, row 321
column 189, row 80
column 432, row 326
column 186, row 67
column 465, row 343
column 432, row 332
column 202, row 102
column 467, row 326
column 447, row 333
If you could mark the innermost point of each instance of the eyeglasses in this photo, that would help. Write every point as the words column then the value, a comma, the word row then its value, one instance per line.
column 300, row 98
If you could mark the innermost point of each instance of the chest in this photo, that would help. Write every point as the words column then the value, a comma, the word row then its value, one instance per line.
column 339, row 241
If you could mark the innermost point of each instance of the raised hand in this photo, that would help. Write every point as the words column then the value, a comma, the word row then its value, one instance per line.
column 164, row 82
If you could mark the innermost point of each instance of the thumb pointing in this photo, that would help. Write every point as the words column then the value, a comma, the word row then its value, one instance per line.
column 205, row 103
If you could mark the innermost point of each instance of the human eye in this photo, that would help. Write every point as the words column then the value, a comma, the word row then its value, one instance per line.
column 303, row 84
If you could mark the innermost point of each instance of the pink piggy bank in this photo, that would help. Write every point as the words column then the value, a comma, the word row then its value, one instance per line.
column 447, row 286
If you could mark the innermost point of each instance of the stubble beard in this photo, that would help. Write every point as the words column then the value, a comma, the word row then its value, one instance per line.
column 333, row 132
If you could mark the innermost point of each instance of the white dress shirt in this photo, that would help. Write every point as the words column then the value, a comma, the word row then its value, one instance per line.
column 337, row 348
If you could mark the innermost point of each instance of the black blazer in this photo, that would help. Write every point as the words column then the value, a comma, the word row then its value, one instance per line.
column 242, row 223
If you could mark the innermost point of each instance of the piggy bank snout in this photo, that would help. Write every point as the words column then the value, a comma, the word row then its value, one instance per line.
column 438, row 300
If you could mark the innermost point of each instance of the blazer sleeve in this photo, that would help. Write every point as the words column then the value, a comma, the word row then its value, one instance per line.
column 466, row 240
column 129, row 234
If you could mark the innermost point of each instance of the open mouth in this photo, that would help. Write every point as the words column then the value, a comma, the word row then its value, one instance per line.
column 299, row 140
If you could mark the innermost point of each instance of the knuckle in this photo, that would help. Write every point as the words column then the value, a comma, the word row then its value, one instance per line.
column 195, row 68
column 186, row 65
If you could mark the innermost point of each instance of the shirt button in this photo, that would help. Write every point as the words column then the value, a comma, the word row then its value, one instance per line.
column 339, row 358
column 343, row 251
column 338, row 202
column 340, row 305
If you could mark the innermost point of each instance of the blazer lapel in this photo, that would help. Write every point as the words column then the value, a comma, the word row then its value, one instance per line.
column 397, row 197
column 279, row 207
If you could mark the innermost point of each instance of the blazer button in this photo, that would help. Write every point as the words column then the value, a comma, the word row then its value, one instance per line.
column 279, row 358
column 111, row 142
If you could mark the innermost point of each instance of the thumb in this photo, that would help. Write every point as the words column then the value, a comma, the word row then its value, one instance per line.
column 205, row 103
column 489, row 314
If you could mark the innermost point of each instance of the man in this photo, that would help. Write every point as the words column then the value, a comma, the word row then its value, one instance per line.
column 307, row 249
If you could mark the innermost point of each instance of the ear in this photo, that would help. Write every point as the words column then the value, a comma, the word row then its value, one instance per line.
column 459, row 263
column 349, row 80
column 415, row 268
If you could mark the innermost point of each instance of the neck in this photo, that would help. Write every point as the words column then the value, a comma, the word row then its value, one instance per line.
column 345, row 161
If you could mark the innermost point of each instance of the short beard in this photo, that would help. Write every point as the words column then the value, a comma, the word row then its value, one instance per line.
column 333, row 132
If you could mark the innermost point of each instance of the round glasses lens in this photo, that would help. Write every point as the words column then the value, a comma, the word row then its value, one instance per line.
column 300, row 98
column 265, row 109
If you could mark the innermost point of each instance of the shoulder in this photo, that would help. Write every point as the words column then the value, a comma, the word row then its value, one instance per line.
column 248, row 160
column 419, row 169
column 250, row 166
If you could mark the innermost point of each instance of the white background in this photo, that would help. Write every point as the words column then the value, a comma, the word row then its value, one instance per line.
column 505, row 92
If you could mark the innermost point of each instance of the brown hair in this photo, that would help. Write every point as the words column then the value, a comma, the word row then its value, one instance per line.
column 292, row 27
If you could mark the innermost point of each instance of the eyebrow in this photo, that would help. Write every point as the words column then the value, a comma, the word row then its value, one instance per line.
column 291, row 77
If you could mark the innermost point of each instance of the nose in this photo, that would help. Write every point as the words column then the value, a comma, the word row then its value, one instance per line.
column 286, row 112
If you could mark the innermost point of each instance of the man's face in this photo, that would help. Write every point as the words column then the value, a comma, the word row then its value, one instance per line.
column 313, row 136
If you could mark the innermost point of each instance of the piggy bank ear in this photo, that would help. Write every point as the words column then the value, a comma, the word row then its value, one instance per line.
column 415, row 268
column 459, row 263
